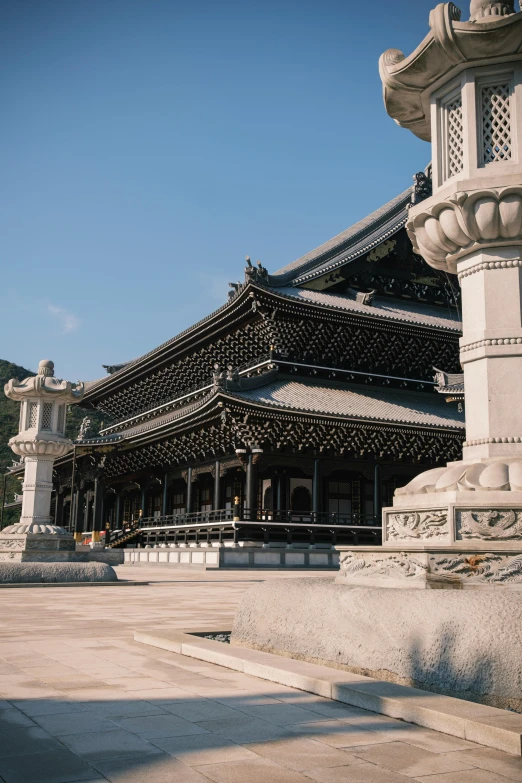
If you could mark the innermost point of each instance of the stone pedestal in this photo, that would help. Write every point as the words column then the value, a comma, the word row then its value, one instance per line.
column 24, row 543
column 454, row 539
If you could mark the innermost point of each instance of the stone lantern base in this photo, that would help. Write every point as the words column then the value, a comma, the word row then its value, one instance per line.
column 469, row 536
column 30, row 543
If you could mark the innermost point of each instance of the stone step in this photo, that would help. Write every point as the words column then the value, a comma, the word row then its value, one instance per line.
column 479, row 723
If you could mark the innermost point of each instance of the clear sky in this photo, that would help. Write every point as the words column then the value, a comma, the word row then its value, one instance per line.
column 147, row 146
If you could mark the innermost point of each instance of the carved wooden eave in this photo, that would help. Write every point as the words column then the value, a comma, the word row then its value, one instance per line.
column 228, row 315
column 449, row 47
column 258, row 318
column 231, row 414
column 220, row 426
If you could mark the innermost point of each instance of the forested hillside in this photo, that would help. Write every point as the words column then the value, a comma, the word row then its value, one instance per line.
column 9, row 413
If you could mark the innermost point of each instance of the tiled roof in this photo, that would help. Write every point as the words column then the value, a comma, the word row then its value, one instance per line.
column 381, row 307
column 358, row 403
column 353, row 242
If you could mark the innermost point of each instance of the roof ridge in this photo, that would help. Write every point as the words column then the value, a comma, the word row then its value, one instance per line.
column 306, row 262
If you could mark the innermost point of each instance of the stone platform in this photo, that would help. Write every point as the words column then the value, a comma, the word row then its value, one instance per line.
column 447, row 641
column 224, row 556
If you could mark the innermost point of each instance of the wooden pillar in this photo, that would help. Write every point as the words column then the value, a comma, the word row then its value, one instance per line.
column 190, row 498
column 119, row 511
column 217, row 486
column 281, row 493
column 99, row 488
column 165, row 496
column 377, row 494
column 251, row 488
column 143, row 501
column 317, row 488
column 79, row 514
column 88, row 511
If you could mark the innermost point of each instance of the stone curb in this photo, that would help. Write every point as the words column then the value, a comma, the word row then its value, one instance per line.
column 479, row 723
column 119, row 583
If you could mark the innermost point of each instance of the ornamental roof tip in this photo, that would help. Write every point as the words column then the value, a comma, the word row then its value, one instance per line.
column 111, row 368
column 448, row 382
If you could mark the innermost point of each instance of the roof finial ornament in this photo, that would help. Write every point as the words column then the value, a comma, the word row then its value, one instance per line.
column 483, row 10
column 46, row 368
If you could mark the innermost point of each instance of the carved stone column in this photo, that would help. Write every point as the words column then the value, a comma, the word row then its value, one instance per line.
column 461, row 525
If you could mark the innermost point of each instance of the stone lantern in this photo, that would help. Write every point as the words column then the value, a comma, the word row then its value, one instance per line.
column 40, row 441
column 461, row 89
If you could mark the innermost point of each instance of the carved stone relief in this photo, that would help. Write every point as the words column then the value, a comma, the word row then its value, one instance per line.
column 477, row 568
column 46, row 544
column 489, row 525
column 418, row 525
column 391, row 566
column 12, row 543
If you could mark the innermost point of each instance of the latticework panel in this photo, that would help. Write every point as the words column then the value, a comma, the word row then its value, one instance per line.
column 61, row 418
column 47, row 415
column 496, row 122
column 364, row 348
column 32, row 418
column 454, row 136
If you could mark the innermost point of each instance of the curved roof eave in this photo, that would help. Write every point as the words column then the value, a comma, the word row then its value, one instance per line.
column 368, row 232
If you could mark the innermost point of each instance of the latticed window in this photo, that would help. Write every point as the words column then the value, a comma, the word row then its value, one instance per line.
column 454, row 136
column 340, row 498
column 496, row 122
column 32, row 416
column 47, row 416
column 61, row 418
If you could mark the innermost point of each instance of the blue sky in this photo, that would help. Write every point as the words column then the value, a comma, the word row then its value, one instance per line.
column 147, row 146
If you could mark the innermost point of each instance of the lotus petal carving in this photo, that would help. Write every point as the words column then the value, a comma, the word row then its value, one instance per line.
column 500, row 475
column 27, row 447
column 467, row 222
column 21, row 528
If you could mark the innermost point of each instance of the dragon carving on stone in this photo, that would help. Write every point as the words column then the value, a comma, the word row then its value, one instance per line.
column 490, row 525
column 418, row 524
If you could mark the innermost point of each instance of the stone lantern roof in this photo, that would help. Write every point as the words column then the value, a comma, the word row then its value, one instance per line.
column 44, row 384
column 492, row 34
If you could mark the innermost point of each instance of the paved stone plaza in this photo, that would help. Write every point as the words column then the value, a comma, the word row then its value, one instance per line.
column 81, row 701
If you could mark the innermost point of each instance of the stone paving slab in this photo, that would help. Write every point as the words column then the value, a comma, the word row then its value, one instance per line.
column 457, row 718
column 92, row 722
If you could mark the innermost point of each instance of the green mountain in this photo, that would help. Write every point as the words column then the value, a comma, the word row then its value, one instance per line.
column 9, row 417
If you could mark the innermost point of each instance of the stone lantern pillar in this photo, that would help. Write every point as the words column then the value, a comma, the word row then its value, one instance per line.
column 461, row 90
column 41, row 439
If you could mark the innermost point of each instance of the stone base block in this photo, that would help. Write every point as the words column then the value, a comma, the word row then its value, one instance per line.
column 464, row 644
column 38, row 547
column 13, row 572
column 430, row 568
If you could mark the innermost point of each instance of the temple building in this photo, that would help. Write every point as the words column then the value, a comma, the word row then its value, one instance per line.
column 290, row 414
